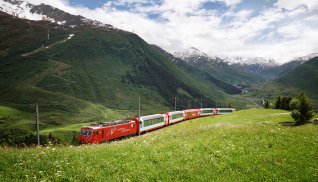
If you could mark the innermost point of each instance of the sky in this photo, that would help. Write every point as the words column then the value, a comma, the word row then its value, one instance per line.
column 272, row 29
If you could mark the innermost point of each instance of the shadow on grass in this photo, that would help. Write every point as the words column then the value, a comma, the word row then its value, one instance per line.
column 292, row 124
column 288, row 124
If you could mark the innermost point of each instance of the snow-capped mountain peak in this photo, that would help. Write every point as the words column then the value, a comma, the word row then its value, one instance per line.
column 303, row 59
column 191, row 52
column 20, row 9
column 259, row 61
column 25, row 10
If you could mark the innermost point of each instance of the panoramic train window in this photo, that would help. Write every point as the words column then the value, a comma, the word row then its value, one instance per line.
column 175, row 116
column 153, row 121
column 226, row 111
column 207, row 111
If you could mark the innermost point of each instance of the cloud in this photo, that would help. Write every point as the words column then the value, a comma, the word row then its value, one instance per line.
column 231, row 2
column 291, row 5
column 285, row 30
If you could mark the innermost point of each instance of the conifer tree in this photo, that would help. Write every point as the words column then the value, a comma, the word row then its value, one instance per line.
column 266, row 106
column 288, row 101
column 283, row 104
column 301, row 109
column 278, row 103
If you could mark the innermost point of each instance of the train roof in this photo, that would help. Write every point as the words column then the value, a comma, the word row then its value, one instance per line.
column 151, row 116
column 187, row 110
column 174, row 112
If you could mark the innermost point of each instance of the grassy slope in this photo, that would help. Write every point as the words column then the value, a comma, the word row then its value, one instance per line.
column 14, row 118
column 108, row 67
column 11, row 118
column 79, row 80
column 249, row 145
column 233, row 74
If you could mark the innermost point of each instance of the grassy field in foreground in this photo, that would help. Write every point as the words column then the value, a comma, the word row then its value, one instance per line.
column 249, row 145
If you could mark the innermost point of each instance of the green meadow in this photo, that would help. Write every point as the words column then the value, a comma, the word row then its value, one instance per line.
column 249, row 145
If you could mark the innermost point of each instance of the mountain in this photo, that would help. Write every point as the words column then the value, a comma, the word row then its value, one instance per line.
column 304, row 78
column 304, row 59
column 266, row 69
column 193, row 55
column 88, row 73
column 257, row 69
column 251, row 63
column 294, row 63
column 25, row 10
column 217, row 67
column 203, row 76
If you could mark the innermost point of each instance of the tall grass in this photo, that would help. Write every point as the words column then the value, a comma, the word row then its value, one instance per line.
column 249, row 145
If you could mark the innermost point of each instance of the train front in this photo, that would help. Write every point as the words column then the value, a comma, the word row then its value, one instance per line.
column 85, row 136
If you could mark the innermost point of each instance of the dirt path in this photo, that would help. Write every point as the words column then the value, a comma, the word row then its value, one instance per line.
column 46, row 47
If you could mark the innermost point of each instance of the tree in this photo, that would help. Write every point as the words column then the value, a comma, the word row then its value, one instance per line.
column 266, row 106
column 288, row 101
column 278, row 103
column 283, row 104
column 301, row 109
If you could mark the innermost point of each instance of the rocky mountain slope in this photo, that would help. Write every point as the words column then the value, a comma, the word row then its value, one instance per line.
column 25, row 10
column 217, row 67
column 258, row 68
column 225, row 87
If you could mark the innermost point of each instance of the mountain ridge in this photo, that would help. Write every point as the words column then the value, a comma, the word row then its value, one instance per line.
column 25, row 10
column 93, row 70
column 258, row 66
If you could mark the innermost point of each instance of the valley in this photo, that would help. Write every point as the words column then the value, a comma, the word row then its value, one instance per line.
column 136, row 90
column 81, row 71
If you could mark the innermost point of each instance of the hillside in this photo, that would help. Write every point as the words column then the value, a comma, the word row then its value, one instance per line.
column 303, row 78
column 91, row 73
column 249, row 145
column 217, row 68
column 92, row 62
column 202, row 75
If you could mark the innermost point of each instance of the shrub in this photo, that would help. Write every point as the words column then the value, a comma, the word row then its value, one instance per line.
column 20, row 138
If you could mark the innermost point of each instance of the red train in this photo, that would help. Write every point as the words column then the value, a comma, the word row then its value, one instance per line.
column 102, row 132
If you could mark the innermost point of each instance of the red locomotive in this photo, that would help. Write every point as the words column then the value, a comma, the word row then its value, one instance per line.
column 102, row 132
